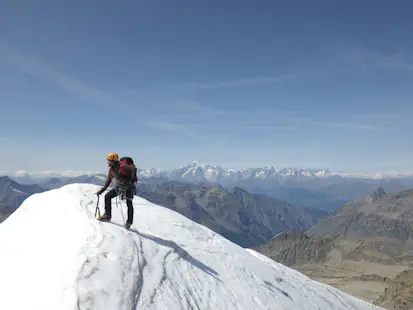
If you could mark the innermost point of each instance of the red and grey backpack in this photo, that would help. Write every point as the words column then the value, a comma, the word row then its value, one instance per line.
column 128, row 161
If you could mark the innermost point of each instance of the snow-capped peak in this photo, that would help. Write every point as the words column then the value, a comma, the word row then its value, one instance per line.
column 196, row 171
column 56, row 255
column 195, row 163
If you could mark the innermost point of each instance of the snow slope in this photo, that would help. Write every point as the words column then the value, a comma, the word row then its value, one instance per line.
column 55, row 255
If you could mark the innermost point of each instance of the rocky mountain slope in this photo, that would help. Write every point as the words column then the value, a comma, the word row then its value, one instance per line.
column 346, row 264
column 296, row 248
column 244, row 218
column 399, row 293
column 5, row 211
column 12, row 194
column 385, row 225
column 358, row 248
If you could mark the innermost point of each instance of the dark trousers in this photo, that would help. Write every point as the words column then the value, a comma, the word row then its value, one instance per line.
column 108, row 203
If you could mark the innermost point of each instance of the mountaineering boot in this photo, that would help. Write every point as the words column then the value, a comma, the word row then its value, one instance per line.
column 104, row 218
column 127, row 225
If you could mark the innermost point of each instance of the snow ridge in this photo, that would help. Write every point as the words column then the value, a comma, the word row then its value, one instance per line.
column 165, row 261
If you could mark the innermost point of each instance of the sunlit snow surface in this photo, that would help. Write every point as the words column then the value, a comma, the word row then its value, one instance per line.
column 56, row 255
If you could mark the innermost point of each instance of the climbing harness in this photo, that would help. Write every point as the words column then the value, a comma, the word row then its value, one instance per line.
column 122, row 192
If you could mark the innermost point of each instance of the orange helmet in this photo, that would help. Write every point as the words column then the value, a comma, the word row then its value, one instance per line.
column 112, row 156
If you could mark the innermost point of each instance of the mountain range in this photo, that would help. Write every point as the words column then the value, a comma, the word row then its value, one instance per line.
column 315, row 188
column 196, row 171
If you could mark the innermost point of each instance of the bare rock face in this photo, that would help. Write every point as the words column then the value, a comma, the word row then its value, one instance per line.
column 5, row 212
column 399, row 294
column 386, row 222
column 380, row 227
column 280, row 242
column 360, row 249
column 12, row 194
column 296, row 248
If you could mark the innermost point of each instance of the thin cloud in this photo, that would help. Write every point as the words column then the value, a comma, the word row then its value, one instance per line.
column 385, row 119
column 7, row 140
column 37, row 68
column 298, row 123
column 186, row 130
column 396, row 61
column 167, row 108
column 131, row 92
column 301, row 121
column 253, row 81
column 171, row 127
column 208, row 126
column 198, row 108
column 271, row 127
column 343, row 125
column 365, row 59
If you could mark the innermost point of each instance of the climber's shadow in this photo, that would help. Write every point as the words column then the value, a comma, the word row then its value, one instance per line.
column 180, row 252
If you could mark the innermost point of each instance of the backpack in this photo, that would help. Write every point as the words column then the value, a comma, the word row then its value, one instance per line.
column 129, row 161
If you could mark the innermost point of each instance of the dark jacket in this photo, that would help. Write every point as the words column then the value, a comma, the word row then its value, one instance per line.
column 125, row 176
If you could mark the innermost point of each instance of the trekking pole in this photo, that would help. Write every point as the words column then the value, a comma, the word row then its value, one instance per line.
column 97, row 207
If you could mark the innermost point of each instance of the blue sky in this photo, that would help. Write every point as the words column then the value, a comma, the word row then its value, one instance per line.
column 239, row 84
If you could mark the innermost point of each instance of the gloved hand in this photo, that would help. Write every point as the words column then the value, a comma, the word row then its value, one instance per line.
column 98, row 193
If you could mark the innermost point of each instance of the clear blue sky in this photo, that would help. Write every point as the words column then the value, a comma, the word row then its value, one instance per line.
column 239, row 84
